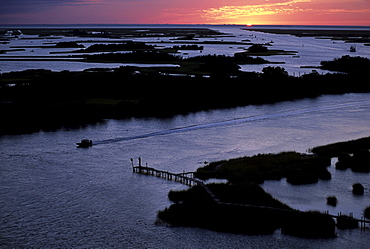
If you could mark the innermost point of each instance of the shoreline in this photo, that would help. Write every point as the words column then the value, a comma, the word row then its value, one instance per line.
column 350, row 36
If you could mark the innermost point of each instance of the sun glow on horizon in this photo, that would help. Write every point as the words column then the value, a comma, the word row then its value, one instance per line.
column 261, row 12
column 287, row 12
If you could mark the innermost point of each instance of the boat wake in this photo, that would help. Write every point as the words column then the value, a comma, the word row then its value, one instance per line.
column 234, row 121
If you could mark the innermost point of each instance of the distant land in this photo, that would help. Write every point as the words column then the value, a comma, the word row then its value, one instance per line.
column 46, row 100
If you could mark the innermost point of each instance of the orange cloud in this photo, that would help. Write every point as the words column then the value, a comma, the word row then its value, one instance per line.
column 237, row 12
column 280, row 8
column 299, row 12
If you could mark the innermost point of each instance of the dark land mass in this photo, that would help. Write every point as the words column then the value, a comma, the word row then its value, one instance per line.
column 353, row 36
column 35, row 100
column 354, row 155
column 262, row 50
column 56, row 45
column 126, row 32
column 194, row 208
column 242, row 206
column 131, row 46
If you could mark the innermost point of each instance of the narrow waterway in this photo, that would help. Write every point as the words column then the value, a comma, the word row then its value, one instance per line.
column 55, row 195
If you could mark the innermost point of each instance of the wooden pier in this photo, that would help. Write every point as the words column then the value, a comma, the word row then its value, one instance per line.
column 186, row 178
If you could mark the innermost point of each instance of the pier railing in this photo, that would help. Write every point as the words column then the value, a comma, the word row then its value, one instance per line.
column 186, row 178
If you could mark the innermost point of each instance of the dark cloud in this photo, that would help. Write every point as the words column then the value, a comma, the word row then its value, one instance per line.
column 31, row 6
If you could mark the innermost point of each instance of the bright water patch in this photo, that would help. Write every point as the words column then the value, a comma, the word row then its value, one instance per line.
column 235, row 121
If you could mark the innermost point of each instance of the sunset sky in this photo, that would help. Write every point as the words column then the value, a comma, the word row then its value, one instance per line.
column 273, row 12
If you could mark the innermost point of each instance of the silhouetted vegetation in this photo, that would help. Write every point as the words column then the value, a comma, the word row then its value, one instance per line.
column 347, row 64
column 50, row 100
column 297, row 168
column 353, row 154
column 345, row 35
column 248, row 193
column 261, row 50
column 244, row 208
column 367, row 212
column 347, row 147
column 69, row 45
column 135, row 56
column 117, row 47
column 163, row 57
column 331, row 200
column 119, row 32
column 188, row 47
column 358, row 189
column 257, row 48
column 309, row 224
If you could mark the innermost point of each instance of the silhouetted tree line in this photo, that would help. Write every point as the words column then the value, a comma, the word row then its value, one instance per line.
column 188, row 47
column 218, row 64
column 69, row 45
column 41, row 99
column 257, row 48
column 129, row 45
column 347, row 64
column 135, row 56
column 237, row 58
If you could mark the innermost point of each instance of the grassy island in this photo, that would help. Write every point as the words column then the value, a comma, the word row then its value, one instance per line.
column 297, row 168
column 245, row 209
column 242, row 206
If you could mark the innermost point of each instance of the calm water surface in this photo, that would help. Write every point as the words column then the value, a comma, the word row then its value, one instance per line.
column 310, row 50
column 55, row 195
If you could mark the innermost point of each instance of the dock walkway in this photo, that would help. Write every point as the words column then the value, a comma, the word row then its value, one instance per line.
column 186, row 178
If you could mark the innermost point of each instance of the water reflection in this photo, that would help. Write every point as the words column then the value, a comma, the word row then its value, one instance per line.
column 55, row 195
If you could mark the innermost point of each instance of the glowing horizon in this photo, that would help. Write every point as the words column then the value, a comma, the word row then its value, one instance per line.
column 256, row 12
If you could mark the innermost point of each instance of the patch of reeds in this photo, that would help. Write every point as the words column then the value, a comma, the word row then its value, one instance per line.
column 331, row 200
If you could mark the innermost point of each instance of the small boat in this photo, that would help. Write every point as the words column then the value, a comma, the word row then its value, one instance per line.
column 85, row 143
column 353, row 48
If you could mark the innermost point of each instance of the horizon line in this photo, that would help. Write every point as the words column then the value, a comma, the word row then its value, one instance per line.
column 182, row 24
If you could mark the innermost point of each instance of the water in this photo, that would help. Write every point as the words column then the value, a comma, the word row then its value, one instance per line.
column 55, row 195
column 311, row 51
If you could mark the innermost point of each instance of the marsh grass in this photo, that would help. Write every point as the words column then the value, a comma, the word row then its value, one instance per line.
column 297, row 168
